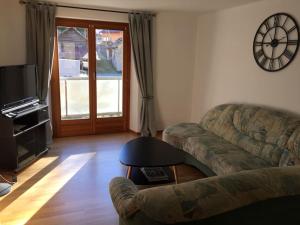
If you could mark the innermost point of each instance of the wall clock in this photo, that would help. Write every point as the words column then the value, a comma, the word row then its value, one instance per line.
column 276, row 42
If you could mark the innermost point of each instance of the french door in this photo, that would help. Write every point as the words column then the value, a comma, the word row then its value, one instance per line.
column 90, row 77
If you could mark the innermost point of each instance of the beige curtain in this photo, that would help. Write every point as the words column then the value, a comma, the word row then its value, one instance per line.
column 140, row 33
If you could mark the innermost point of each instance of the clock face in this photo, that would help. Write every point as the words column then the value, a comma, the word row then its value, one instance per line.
column 276, row 42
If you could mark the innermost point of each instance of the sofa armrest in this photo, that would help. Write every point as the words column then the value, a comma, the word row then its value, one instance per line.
column 204, row 198
column 122, row 192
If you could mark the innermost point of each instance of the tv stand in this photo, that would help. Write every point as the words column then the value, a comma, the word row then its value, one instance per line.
column 23, row 136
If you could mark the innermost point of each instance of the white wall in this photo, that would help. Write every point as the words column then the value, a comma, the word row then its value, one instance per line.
column 12, row 34
column 174, row 59
column 225, row 70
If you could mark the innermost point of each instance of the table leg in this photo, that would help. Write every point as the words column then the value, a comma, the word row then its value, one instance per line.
column 129, row 172
column 175, row 174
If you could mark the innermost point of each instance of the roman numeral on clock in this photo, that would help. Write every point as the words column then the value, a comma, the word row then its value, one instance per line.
column 286, row 19
column 258, row 43
column 267, row 25
column 261, row 33
column 290, row 30
column 287, row 53
column 280, row 62
column 263, row 61
column 271, row 64
column 276, row 20
column 292, row 42
column 259, row 53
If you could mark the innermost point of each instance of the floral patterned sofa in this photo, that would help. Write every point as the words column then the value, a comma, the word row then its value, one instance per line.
column 251, row 155
column 232, row 138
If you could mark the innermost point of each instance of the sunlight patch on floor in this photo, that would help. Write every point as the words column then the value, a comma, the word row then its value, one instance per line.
column 31, row 172
column 40, row 193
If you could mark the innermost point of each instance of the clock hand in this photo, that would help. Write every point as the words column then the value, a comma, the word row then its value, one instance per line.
column 275, row 33
column 272, row 52
column 271, row 60
column 279, row 42
column 282, row 38
column 270, row 36
column 286, row 42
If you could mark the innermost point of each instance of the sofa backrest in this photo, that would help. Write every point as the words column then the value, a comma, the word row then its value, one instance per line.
column 267, row 133
column 294, row 145
column 204, row 198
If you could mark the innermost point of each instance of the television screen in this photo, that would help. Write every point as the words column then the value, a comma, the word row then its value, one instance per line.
column 17, row 83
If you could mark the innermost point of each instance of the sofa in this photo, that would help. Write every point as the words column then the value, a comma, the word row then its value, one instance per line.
column 236, row 137
column 251, row 157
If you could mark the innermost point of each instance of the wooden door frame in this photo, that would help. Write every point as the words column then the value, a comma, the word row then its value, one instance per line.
column 93, row 125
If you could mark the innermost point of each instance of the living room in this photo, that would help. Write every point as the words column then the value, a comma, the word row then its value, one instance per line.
column 203, row 54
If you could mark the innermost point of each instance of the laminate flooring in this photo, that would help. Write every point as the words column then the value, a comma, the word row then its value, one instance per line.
column 69, row 185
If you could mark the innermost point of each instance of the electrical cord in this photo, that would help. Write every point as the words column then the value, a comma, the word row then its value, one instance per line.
column 7, row 181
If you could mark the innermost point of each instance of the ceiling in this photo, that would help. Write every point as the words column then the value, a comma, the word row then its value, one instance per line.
column 198, row 6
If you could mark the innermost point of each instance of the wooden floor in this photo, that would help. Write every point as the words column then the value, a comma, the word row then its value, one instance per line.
column 69, row 185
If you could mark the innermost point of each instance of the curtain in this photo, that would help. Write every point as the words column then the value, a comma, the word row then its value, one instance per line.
column 40, row 32
column 140, row 26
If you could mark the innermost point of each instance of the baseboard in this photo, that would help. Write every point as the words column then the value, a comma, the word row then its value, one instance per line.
column 134, row 132
column 158, row 133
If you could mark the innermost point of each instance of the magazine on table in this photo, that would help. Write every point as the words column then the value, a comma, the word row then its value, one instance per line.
column 153, row 174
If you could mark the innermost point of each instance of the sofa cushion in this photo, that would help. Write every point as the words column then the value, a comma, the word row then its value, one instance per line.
column 288, row 159
column 219, row 121
column 294, row 147
column 265, row 132
column 269, row 152
column 176, row 135
column 266, row 125
column 260, row 131
column 294, row 142
column 221, row 156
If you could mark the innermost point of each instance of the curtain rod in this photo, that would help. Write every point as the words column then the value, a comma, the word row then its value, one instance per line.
column 86, row 8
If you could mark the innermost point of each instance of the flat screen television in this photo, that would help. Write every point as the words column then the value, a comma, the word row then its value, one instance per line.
column 18, row 85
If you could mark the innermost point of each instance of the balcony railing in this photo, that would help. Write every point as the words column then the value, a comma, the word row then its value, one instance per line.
column 74, row 97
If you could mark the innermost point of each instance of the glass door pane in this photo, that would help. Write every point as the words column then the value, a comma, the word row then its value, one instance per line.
column 73, row 72
column 109, row 72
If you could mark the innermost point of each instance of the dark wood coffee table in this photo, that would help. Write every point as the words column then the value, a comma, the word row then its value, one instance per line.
column 150, row 152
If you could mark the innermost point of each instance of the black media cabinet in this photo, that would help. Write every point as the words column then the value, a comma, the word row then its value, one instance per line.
column 23, row 137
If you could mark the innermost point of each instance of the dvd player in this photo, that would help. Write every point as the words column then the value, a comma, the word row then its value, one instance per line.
column 20, row 108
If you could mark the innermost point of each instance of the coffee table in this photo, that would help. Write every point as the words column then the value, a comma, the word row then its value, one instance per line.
column 150, row 152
